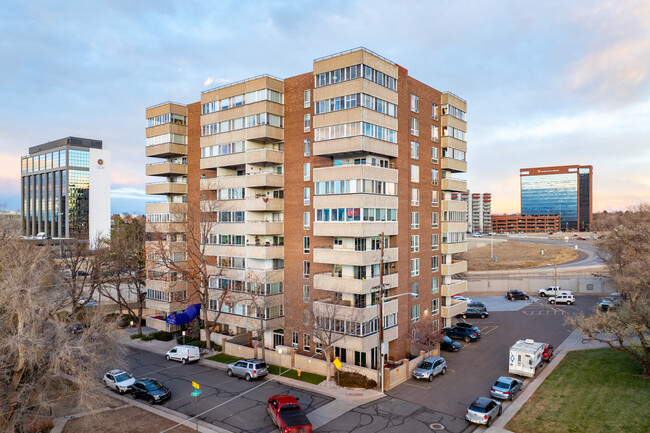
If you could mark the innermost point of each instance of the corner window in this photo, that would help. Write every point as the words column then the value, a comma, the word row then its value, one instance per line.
column 435, row 286
column 307, row 98
column 415, row 103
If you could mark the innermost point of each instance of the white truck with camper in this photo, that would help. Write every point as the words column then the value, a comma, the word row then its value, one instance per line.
column 550, row 291
column 525, row 357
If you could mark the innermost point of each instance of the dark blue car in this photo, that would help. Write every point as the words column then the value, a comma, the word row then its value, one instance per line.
column 461, row 333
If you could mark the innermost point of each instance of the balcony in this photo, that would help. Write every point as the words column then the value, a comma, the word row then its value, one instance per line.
column 263, row 252
column 449, row 120
column 352, row 285
column 358, row 229
column 458, row 286
column 164, row 188
column 265, row 134
column 447, row 141
column 264, row 180
column 453, row 248
column 166, row 169
column 453, row 164
column 167, row 286
column 264, row 227
column 264, row 204
column 360, row 315
column 166, row 150
column 335, row 256
column 457, row 185
column 454, row 205
column 453, row 226
column 354, row 145
column 454, row 268
column 346, row 172
column 230, row 160
column 264, row 156
column 450, row 311
column 166, row 207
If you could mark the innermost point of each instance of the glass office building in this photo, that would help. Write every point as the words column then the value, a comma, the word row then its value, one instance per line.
column 564, row 190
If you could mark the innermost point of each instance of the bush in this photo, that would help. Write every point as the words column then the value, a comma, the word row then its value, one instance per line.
column 196, row 343
column 136, row 336
column 146, row 338
column 350, row 379
column 161, row 336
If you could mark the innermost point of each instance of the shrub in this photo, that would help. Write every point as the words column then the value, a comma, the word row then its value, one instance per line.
column 146, row 338
column 161, row 336
column 196, row 343
column 136, row 336
column 350, row 379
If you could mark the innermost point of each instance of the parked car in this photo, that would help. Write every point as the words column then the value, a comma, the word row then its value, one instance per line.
column 461, row 333
column 483, row 411
column 184, row 354
column 248, row 369
column 516, row 294
column 611, row 302
column 462, row 298
column 88, row 302
column 480, row 306
column 76, row 328
column 450, row 345
column 469, row 326
column 562, row 299
column 477, row 235
column 119, row 380
column 150, row 389
column 430, row 367
column 547, row 353
column 506, row 388
column 473, row 312
column 286, row 413
column 550, row 291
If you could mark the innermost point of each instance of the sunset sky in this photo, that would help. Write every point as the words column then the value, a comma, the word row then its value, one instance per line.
column 547, row 83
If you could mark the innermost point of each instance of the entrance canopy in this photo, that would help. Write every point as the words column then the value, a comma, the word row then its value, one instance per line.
column 185, row 317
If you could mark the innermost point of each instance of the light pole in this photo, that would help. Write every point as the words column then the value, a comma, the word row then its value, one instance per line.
column 380, row 314
column 183, row 337
column 555, row 286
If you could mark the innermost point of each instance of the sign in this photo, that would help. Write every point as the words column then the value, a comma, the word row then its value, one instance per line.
column 337, row 363
column 196, row 385
column 196, row 393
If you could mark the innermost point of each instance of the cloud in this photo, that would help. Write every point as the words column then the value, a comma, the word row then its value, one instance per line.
column 130, row 193
column 217, row 81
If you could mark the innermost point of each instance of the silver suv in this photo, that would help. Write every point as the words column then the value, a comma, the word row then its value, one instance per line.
column 430, row 367
column 248, row 369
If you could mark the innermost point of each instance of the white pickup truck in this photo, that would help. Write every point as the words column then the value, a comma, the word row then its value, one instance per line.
column 550, row 291
column 563, row 298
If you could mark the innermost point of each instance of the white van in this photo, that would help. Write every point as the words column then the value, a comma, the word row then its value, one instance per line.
column 184, row 354
column 524, row 357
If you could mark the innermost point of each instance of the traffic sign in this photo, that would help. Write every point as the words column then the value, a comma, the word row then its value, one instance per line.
column 337, row 363
column 196, row 393
column 196, row 385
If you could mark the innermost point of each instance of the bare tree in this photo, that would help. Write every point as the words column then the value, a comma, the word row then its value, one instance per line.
column 38, row 353
column 425, row 334
column 626, row 251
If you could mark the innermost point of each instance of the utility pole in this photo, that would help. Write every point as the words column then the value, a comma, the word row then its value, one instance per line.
column 555, row 287
column 380, row 306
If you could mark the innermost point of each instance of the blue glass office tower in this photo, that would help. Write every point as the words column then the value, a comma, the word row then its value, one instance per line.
column 564, row 190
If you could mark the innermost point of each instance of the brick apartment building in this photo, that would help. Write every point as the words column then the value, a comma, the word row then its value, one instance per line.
column 301, row 176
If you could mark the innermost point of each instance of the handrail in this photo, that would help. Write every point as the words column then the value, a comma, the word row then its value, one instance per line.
column 242, row 81
column 166, row 102
column 166, row 162
column 455, row 96
column 352, row 50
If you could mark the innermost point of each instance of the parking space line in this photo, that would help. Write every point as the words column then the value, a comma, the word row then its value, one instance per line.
column 417, row 386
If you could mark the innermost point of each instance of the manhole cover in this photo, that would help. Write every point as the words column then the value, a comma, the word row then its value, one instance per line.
column 436, row 426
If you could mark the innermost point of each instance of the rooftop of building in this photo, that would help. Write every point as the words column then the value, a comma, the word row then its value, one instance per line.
column 68, row 141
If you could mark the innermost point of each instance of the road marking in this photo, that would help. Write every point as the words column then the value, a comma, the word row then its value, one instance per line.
column 418, row 386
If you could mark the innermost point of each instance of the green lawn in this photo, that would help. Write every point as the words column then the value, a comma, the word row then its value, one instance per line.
column 222, row 357
column 273, row 369
column 590, row 391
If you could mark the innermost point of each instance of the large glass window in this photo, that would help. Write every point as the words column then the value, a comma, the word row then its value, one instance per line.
column 551, row 194
column 79, row 158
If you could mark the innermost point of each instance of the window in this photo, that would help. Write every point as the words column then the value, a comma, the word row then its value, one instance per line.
column 435, row 198
column 435, row 306
column 434, row 111
column 305, row 268
column 305, row 293
column 415, row 150
column 307, row 122
column 307, row 171
column 305, row 244
column 415, row 173
column 434, row 154
column 294, row 340
column 415, row 103
column 415, row 197
column 415, row 243
column 415, row 126
column 415, row 313
column 338, row 241
column 306, row 195
column 305, row 220
column 435, row 242
column 307, row 98
column 307, row 145
column 434, row 219
column 305, row 340
column 415, row 288
column 434, row 176
column 415, row 267
column 434, row 133
column 435, row 286
column 415, row 220
column 319, row 348
column 435, row 263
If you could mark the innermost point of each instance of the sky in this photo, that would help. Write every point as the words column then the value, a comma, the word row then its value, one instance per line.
column 547, row 83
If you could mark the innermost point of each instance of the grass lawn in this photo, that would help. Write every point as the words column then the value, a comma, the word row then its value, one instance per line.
column 590, row 391
column 222, row 357
column 273, row 369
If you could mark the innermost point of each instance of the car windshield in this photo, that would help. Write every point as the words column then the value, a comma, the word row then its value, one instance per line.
column 122, row 377
column 446, row 339
column 153, row 385
column 426, row 365
column 477, row 408
column 502, row 385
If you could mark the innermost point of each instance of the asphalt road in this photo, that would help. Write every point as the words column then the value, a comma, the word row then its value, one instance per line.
column 414, row 405
column 230, row 403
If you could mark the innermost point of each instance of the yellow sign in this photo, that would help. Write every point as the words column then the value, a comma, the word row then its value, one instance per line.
column 337, row 363
column 195, row 385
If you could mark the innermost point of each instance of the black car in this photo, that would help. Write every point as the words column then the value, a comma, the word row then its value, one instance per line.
column 450, row 345
column 516, row 294
column 472, row 312
column 462, row 333
column 480, row 306
column 150, row 389
column 469, row 326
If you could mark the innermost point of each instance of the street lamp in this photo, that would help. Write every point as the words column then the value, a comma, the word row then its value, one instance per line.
column 183, row 337
column 555, row 286
column 280, row 352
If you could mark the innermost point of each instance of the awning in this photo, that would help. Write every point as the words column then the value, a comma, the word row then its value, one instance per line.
column 185, row 317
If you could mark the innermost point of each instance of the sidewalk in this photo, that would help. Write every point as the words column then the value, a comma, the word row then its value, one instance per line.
column 571, row 343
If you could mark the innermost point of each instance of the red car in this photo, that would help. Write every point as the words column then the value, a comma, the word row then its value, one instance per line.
column 547, row 353
column 287, row 414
